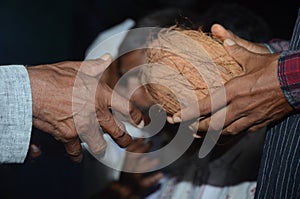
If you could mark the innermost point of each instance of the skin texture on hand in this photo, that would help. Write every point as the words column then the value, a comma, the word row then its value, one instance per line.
column 54, row 99
column 253, row 100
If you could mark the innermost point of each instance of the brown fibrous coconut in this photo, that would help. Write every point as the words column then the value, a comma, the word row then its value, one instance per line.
column 184, row 66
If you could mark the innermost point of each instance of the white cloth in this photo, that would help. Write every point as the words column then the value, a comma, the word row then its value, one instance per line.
column 110, row 40
column 15, row 114
column 171, row 189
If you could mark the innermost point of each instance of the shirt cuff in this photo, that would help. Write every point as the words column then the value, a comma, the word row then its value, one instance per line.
column 277, row 45
column 289, row 76
column 16, row 113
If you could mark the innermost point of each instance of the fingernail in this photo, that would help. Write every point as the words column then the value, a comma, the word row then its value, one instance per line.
column 229, row 42
column 177, row 119
column 191, row 128
column 77, row 159
column 34, row 148
column 170, row 119
column 105, row 57
column 141, row 124
column 195, row 135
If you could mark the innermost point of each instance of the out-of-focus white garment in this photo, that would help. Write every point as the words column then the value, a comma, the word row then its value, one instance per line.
column 110, row 40
column 171, row 188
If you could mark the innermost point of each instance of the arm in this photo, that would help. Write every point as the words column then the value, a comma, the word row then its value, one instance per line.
column 67, row 100
column 71, row 103
column 253, row 100
column 16, row 113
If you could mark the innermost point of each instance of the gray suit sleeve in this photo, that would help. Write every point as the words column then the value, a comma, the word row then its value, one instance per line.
column 15, row 113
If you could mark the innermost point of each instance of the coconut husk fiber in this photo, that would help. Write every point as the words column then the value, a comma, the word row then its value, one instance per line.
column 184, row 66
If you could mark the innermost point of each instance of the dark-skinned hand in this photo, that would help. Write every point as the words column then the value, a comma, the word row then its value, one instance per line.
column 252, row 101
column 69, row 101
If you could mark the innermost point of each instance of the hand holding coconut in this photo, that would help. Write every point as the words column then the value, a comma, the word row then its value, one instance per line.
column 253, row 99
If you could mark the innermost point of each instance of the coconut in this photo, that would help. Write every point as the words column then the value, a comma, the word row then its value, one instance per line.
column 184, row 66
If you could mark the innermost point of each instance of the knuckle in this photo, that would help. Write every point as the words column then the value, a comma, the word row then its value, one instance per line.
column 131, row 108
column 105, row 119
column 74, row 153
column 116, row 132
column 124, row 140
column 253, row 129
column 69, row 135
column 99, row 148
column 233, row 130
column 83, row 128
column 215, row 125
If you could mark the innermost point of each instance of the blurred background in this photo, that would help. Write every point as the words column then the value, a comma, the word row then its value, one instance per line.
column 36, row 32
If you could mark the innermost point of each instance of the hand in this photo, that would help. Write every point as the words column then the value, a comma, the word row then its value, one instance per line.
column 253, row 100
column 57, row 107
column 222, row 34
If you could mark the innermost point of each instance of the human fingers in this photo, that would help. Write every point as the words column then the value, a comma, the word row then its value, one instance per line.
column 35, row 151
column 221, row 33
column 135, row 144
column 93, row 138
column 241, row 55
column 74, row 150
column 64, row 134
column 124, row 106
column 201, row 125
column 71, row 143
column 113, row 127
column 257, row 127
column 87, row 128
column 139, row 146
column 151, row 180
column 202, row 108
column 97, row 66
column 246, row 58
column 127, row 108
column 215, row 122
column 243, row 124
column 248, row 124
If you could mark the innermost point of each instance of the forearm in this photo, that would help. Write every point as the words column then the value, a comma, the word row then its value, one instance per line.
column 16, row 113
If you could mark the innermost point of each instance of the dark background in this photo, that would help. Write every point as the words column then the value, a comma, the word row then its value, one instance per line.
column 46, row 31
column 35, row 31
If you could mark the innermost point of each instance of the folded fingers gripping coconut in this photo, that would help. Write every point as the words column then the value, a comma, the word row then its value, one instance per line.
column 184, row 66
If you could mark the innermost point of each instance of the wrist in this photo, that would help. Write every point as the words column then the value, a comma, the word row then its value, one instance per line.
column 36, row 90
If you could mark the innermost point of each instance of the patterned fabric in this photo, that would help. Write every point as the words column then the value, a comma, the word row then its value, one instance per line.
column 289, row 76
column 15, row 114
column 172, row 188
column 279, row 176
column 277, row 45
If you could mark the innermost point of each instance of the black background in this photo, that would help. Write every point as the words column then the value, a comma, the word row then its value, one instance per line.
column 35, row 31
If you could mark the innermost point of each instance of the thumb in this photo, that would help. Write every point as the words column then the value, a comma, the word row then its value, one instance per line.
column 97, row 66
column 238, row 53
